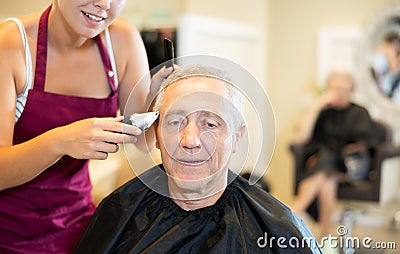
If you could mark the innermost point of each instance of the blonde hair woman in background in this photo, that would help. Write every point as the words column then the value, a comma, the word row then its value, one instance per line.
column 333, row 127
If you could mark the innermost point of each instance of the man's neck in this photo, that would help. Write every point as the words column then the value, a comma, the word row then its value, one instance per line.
column 192, row 195
column 190, row 205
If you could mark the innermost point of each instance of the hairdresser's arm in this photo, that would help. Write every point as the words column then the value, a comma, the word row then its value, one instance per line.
column 86, row 139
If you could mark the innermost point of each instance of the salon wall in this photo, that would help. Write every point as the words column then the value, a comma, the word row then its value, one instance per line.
column 13, row 8
column 292, row 37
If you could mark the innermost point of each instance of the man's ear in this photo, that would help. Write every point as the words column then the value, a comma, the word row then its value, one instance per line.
column 238, row 137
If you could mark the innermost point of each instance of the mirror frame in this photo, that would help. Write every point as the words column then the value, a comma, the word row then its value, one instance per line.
column 379, row 103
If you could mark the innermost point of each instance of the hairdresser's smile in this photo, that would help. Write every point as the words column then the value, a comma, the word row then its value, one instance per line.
column 93, row 17
column 88, row 18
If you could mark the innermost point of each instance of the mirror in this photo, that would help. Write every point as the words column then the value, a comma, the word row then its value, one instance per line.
column 383, row 52
column 385, row 58
column 378, row 58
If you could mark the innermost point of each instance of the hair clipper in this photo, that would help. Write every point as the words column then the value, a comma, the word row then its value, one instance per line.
column 142, row 121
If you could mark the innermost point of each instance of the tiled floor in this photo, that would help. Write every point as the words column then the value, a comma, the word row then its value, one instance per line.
column 368, row 226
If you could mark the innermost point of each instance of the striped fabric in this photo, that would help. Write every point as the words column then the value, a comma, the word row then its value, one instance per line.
column 21, row 98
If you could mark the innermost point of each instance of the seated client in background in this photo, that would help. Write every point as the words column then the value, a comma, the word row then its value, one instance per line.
column 193, row 203
column 333, row 129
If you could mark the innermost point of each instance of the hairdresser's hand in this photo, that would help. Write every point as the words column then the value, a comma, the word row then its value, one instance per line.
column 94, row 138
column 157, row 80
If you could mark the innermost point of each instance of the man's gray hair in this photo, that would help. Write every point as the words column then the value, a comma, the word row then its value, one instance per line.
column 200, row 71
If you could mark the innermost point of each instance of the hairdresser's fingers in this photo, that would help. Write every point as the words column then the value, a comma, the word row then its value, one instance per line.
column 107, row 147
column 131, row 130
column 94, row 150
column 115, row 125
column 99, row 150
column 80, row 139
column 116, row 138
column 158, row 78
column 99, row 155
column 162, row 74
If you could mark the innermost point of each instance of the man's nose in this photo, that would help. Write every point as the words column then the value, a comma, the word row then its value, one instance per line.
column 190, row 136
column 103, row 4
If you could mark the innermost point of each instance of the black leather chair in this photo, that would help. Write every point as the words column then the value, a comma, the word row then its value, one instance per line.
column 365, row 191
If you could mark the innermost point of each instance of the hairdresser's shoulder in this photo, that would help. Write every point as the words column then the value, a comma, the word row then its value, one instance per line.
column 10, row 36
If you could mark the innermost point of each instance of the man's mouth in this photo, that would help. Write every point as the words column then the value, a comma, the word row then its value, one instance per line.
column 93, row 17
column 191, row 162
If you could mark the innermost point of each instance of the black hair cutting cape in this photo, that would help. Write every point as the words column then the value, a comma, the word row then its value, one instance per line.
column 246, row 219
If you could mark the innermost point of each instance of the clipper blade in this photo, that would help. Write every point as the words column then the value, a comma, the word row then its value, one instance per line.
column 142, row 121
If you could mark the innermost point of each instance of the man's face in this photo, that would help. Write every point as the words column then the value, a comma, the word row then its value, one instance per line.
column 196, row 133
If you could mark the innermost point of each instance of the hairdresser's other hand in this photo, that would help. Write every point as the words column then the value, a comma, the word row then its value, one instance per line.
column 94, row 138
column 157, row 80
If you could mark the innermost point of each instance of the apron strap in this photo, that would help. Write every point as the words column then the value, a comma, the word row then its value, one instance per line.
column 110, row 53
column 107, row 63
column 41, row 52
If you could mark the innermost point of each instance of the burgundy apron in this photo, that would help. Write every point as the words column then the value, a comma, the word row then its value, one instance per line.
column 49, row 213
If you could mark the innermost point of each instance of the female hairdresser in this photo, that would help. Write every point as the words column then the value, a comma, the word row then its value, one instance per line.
column 62, row 83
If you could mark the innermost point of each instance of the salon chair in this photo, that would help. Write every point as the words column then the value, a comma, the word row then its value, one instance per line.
column 368, row 190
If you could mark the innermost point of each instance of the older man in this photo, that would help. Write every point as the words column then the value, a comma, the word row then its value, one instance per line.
column 193, row 203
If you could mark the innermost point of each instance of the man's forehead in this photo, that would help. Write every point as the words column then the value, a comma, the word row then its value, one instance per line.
column 197, row 101
column 199, row 83
column 194, row 94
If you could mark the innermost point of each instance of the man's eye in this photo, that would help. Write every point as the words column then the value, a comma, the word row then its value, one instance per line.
column 211, row 124
column 174, row 123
